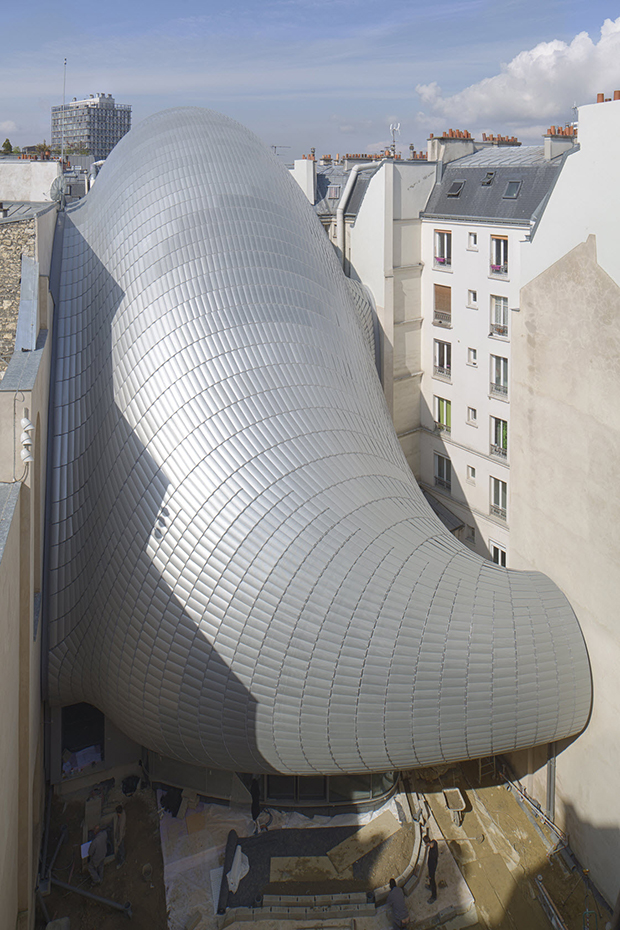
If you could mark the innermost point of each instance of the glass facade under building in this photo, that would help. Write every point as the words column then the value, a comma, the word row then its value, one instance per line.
column 95, row 124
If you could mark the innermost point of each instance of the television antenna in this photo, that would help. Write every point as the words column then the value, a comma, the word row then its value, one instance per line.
column 274, row 148
column 394, row 128
column 61, row 198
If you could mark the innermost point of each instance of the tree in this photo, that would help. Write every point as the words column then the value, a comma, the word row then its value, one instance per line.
column 7, row 148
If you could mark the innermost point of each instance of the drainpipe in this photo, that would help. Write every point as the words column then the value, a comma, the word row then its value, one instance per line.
column 342, row 204
column 550, row 806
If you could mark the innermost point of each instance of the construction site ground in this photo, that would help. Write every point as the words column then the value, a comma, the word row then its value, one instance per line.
column 486, row 876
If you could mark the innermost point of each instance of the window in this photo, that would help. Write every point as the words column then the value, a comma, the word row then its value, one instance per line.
column 455, row 188
column 472, row 357
column 471, row 474
column 471, row 533
column 472, row 416
column 499, row 255
column 512, row 190
column 499, row 316
column 498, row 554
column 443, row 359
column 488, row 179
column 472, row 241
column 443, row 414
column 499, row 437
column 442, row 315
column 333, row 192
column 443, row 472
column 499, row 376
column 499, row 494
column 443, row 248
column 472, row 299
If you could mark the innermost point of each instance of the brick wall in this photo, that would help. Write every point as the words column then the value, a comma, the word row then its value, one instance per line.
column 16, row 239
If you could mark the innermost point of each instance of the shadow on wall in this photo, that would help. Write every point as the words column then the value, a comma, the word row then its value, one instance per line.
column 119, row 637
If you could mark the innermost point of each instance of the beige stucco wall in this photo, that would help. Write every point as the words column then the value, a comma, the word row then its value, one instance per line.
column 566, row 514
column 24, row 391
column 9, row 718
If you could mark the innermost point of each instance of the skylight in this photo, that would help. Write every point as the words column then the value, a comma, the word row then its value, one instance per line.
column 455, row 188
column 488, row 180
column 512, row 190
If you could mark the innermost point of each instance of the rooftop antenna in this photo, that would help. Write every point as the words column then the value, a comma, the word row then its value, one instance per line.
column 274, row 148
column 62, row 137
column 394, row 128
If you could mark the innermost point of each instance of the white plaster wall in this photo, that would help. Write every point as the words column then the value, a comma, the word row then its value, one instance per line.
column 367, row 246
column 27, row 180
column 469, row 387
column 304, row 172
column 586, row 197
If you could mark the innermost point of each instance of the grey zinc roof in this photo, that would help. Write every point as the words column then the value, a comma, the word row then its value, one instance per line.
column 243, row 572
column 487, row 201
column 506, row 156
column 25, row 209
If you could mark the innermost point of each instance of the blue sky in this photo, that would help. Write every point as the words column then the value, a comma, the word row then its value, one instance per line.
column 326, row 73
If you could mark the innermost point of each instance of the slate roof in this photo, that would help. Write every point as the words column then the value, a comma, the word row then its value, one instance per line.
column 336, row 174
column 488, row 201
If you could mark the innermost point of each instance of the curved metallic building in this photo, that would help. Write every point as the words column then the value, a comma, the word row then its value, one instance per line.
column 244, row 573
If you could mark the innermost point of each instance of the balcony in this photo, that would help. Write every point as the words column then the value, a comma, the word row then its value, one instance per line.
column 499, row 271
column 500, row 451
column 496, row 511
column 442, row 262
column 442, row 427
column 499, row 329
column 443, row 483
column 442, row 318
column 499, row 390
column 444, row 374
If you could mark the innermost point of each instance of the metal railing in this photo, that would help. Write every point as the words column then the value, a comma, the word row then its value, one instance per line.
column 441, row 318
column 443, row 483
column 499, row 269
column 442, row 262
column 440, row 371
column 501, row 451
column 500, row 389
column 442, row 427
column 497, row 511
column 499, row 329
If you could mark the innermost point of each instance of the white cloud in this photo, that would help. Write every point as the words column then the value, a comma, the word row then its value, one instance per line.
column 541, row 84
column 8, row 126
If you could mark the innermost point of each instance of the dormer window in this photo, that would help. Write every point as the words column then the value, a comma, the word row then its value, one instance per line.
column 333, row 192
column 512, row 190
column 455, row 188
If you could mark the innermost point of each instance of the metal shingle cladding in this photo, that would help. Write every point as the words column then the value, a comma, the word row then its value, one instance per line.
column 244, row 573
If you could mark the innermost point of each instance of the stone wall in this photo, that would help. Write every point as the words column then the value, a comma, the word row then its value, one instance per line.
column 16, row 239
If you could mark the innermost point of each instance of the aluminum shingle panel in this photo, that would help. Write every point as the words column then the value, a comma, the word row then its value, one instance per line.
column 244, row 573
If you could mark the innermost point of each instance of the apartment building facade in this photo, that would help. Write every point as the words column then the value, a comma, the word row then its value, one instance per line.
column 476, row 218
column 94, row 124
